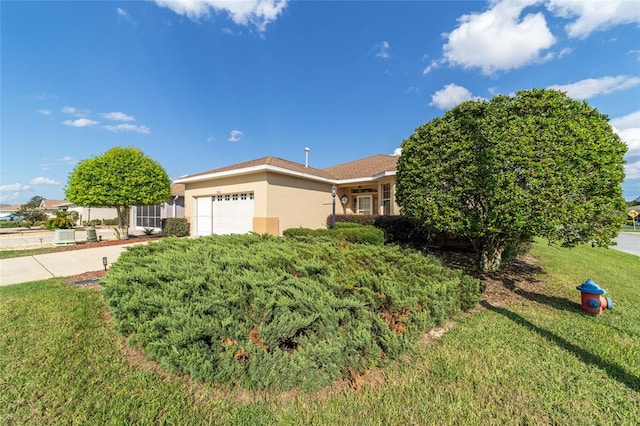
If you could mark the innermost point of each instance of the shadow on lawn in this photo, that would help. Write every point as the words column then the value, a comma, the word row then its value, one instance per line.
column 614, row 371
column 559, row 303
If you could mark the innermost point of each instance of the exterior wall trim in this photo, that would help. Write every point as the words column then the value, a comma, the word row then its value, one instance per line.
column 253, row 169
column 281, row 170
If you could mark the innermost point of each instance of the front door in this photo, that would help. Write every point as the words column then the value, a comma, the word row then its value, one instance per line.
column 364, row 204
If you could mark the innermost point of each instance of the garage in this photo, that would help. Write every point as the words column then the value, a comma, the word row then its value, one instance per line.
column 224, row 214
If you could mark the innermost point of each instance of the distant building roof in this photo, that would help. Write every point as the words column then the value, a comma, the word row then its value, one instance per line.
column 53, row 204
column 10, row 209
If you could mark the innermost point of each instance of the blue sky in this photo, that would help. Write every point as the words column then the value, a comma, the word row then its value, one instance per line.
column 203, row 84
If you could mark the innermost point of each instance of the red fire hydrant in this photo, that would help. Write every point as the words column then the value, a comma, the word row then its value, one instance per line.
column 592, row 300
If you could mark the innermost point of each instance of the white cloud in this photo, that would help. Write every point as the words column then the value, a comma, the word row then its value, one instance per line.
column 66, row 159
column 594, row 15
column 235, row 136
column 43, row 181
column 9, row 197
column 44, row 112
column 75, row 112
column 498, row 39
column 44, row 96
column 632, row 170
column 14, row 187
column 397, row 151
column 591, row 87
column 564, row 52
column 628, row 128
column 117, row 116
column 80, row 122
column 127, row 128
column 450, row 96
column 258, row 13
column 383, row 50
column 210, row 139
column 125, row 16
column 433, row 65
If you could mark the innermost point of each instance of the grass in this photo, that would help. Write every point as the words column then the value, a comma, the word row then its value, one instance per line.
column 8, row 254
column 630, row 229
column 538, row 360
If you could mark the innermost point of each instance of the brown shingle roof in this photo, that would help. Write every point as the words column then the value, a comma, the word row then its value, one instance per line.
column 177, row 189
column 53, row 204
column 365, row 167
column 267, row 161
column 362, row 168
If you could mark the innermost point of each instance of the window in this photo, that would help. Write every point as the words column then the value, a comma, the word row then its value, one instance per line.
column 149, row 216
column 363, row 204
column 386, row 199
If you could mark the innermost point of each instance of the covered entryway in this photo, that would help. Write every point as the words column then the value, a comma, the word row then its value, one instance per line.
column 224, row 214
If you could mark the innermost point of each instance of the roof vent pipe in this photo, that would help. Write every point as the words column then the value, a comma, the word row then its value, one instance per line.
column 306, row 156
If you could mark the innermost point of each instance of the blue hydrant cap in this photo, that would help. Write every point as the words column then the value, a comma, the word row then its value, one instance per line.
column 590, row 286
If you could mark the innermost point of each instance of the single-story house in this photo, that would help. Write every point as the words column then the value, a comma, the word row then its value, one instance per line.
column 269, row 195
column 9, row 210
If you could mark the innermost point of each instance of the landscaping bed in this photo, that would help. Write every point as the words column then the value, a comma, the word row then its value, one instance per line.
column 262, row 312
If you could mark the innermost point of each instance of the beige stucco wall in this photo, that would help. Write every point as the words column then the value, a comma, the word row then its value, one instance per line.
column 93, row 213
column 298, row 202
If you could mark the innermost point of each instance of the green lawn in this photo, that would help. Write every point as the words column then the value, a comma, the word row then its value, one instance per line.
column 538, row 360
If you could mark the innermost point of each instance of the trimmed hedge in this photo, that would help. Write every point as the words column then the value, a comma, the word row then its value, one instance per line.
column 175, row 227
column 352, row 218
column 264, row 312
column 352, row 233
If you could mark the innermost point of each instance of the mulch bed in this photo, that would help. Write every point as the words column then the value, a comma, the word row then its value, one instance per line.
column 100, row 273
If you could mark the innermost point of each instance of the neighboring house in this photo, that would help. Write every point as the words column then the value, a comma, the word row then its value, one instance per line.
column 85, row 214
column 8, row 210
column 50, row 207
column 269, row 195
column 151, row 216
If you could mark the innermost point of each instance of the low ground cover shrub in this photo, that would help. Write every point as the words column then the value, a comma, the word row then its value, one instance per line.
column 265, row 312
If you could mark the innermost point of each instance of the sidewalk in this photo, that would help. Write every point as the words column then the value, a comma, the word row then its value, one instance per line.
column 62, row 264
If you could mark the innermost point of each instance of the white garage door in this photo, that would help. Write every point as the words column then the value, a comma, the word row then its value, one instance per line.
column 233, row 213
column 224, row 214
column 202, row 216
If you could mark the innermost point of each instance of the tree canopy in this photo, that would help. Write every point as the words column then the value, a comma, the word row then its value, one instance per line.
column 120, row 178
column 30, row 212
column 503, row 171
